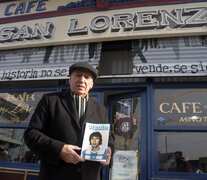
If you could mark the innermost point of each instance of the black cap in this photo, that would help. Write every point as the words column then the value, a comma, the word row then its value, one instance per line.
column 84, row 66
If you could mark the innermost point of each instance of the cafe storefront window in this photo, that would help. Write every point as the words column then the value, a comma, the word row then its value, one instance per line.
column 182, row 152
column 16, row 109
column 180, row 121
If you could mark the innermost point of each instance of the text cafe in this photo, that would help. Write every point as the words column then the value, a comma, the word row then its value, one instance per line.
column 152, row 61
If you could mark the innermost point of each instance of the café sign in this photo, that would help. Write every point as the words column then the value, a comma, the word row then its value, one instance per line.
column 181, row 107
column 42, row 29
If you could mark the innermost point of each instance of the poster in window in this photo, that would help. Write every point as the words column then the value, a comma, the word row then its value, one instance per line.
column 125, row 165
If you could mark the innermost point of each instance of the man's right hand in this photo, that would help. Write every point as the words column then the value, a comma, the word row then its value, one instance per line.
column 69, row 155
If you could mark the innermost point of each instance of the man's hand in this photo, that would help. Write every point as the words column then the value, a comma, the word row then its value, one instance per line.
column 69, row 155
column 108, row 157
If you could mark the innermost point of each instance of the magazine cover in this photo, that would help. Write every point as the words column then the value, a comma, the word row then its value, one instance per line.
column 95, row 142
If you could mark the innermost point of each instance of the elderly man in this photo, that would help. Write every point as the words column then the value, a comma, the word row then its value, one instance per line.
column 57, row 125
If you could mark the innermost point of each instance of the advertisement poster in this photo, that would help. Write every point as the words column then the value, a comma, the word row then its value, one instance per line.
column 125, row 165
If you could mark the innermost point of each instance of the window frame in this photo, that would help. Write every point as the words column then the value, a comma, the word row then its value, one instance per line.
column 155, row 129
column 22, row 165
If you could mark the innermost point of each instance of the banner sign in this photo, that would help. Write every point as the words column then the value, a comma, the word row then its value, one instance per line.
column 43, row 23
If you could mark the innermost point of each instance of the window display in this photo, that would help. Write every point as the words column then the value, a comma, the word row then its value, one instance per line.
column 16, row 110
column 180, row 117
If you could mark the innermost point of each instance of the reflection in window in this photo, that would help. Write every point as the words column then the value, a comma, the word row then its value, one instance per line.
column 15, row 109
column 18, row 107
column 182, row 152
column 127, row 131
column 127, row 123
column 12, row 147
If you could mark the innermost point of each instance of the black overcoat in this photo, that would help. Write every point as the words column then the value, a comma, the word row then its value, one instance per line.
column 54, row 123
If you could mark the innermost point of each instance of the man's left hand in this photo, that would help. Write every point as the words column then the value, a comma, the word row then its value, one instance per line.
column 108, row 157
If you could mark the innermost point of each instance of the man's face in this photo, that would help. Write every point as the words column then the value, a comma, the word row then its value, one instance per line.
column 95, row 141
column 81, row 82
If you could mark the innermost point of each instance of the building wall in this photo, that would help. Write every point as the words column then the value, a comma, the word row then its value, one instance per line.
column 151, row 56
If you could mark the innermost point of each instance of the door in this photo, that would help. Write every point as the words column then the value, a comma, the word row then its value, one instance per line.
column 128, row 123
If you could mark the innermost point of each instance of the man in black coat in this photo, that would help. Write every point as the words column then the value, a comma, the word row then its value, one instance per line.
column 55, row 131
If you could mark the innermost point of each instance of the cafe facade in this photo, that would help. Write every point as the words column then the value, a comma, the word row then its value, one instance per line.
column 151, row 56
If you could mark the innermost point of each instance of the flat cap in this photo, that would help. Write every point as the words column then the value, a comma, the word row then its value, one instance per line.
column 85, row 66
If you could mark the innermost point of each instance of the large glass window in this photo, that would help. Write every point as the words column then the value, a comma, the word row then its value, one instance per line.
column 182, row 152
column 13, row 148
column 180, row 121
column 16, row 110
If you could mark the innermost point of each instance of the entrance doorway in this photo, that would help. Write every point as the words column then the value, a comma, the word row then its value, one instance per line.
column 128, row 122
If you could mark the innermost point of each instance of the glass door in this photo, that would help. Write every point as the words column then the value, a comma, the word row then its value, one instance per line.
column 127, row 121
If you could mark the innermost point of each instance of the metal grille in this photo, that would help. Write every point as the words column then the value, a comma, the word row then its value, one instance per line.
column 50, row 62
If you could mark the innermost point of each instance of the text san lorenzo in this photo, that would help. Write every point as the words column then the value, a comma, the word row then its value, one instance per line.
column 117, row 23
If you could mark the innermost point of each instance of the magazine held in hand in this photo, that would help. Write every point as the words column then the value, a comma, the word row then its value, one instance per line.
column 95, row 142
